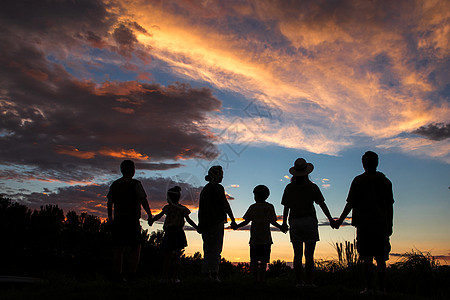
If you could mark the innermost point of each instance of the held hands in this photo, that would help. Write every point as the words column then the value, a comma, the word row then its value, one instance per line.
column 284, row 228
column 150, row 221
column 335, row 224
column 234, row 225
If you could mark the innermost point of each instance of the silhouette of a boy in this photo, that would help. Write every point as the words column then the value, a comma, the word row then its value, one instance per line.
column 372, row 200
column 261, row 214
column 125, row 198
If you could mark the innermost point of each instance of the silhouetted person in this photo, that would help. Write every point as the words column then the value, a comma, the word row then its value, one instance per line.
column 125, row 198
column 371, row 199
column 174, row 239
column 261, row 214
column 212, row 215
column 298, row 199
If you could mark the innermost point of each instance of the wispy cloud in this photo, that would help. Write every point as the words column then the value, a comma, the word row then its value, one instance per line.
column 420, row 147
column 337, row 71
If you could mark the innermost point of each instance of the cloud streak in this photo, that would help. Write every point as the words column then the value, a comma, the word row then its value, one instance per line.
column 339, row 71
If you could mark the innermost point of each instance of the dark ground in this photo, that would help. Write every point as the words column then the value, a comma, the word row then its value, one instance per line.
column 236, row 287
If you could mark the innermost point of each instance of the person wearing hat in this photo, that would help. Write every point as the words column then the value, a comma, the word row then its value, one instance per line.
column 298, row 199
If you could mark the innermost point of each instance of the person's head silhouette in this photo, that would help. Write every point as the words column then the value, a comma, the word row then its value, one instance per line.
column 127, row 168
column 215, row 174
column 370, row 161
column 174, row 194
column 261, row 193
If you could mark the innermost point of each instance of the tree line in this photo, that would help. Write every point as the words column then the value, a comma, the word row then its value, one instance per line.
column 35, row 242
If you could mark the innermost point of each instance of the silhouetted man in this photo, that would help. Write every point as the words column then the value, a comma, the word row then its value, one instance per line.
column 371, row 199
column 127, row 196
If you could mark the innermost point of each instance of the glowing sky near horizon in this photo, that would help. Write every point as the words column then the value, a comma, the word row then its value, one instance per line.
column 180, row 85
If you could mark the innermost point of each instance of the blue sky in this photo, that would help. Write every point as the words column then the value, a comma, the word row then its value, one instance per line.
column 178, row 86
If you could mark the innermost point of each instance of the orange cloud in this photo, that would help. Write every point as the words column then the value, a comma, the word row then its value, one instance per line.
column 128, row 111
column 36, row 74
column 353, row 76
column 121, row 153
column 131, row 154
column 72, row 151
column 119, row 88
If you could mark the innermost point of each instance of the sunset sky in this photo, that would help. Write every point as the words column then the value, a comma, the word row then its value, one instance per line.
column 179, row 86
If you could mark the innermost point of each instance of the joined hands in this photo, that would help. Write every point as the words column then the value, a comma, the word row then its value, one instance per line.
column 335, row 224
column 234, row 225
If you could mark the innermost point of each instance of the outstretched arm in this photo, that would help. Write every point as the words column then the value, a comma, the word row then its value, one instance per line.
column 242, row 224
column 285, row 216
column 325, row 210
column 192, row 223
column 146, row 207
column 348, row 207
column 230, row 213
column 275, row 223
column 157, row 217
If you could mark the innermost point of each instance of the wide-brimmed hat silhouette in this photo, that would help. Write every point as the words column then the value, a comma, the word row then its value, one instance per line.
column 301, row 167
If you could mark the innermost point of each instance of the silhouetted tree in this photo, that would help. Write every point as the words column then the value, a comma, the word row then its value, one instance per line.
column 14, row 228
column 277, row 267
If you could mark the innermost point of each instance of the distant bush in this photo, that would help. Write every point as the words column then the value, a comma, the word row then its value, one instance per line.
column 278, row 268
column 419, row 273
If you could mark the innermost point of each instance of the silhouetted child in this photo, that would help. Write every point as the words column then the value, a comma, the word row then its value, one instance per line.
column 261, row 214
column 174, row 240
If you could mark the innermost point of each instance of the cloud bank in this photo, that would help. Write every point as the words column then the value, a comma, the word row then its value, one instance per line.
column 339, row 72
column 92, row 198
column 55, row 126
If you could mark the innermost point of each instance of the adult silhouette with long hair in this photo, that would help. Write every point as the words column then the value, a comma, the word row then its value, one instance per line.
column 298, row 199
column 371, row 199
column 125, row 198
column 212, row 215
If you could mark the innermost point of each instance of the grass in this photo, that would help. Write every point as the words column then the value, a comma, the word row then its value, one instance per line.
column 416, row 276
column 237, row 287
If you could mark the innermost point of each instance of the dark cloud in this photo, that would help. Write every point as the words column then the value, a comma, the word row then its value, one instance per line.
column 124, row 36
column 58, row 127
column 126, row 39
column 434, row 131
column 61, row 28
column 92, row 198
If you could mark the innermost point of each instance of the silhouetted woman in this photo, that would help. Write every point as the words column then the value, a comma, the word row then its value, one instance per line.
column 212, row 215
column 298, row 200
